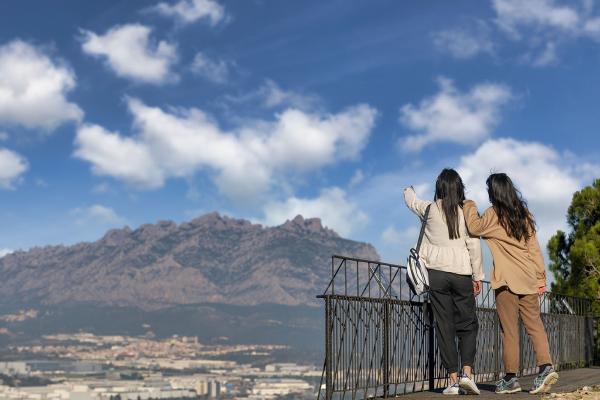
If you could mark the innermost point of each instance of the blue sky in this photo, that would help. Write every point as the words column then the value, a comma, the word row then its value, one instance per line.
column 129, row 112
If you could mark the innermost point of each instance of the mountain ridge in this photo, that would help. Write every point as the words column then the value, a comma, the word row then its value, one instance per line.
column 210, row 259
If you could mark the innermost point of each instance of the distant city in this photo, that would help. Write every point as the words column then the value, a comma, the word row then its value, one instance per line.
column 84, row 366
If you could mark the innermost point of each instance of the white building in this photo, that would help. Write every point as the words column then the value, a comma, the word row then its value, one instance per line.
column 93, row 392
column 214, row 389
column 14, row 368
column 271, row 388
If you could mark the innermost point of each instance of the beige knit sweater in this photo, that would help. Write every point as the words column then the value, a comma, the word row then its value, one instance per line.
column 517, row 264
column 460, row 256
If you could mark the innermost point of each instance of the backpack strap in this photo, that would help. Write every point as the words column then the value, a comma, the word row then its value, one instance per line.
column 423, row 225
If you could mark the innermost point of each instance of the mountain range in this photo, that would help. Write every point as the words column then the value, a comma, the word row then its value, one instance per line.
column 212, row 261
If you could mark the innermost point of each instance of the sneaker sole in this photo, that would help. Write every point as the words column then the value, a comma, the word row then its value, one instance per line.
column 510, row 391
column 468, row 388
column 550, row 380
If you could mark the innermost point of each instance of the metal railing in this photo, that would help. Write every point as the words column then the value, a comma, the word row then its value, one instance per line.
column 379, row 340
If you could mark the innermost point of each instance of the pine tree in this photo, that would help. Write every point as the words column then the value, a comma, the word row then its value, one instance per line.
column 575, row 257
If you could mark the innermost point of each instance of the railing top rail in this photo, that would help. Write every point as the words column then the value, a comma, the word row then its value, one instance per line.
column 360, row 277
column 367, row 261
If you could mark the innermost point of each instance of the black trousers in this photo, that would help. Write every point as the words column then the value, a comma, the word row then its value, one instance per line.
column 453, row 304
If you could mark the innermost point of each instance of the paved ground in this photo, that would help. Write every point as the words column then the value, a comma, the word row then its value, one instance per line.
column 569, row 381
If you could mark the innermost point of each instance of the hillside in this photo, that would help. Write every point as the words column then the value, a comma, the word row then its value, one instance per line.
column 211, row 259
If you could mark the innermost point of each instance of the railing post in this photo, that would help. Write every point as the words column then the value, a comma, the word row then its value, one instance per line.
column 431, row 352
column 386, row 348
column 579, row 355
column 328, row 350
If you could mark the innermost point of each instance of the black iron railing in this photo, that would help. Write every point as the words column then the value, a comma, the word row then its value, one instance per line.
column 379, row 340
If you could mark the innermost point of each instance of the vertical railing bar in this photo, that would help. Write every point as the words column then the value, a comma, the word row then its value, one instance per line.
column 346, row 279
column 431, row 352
column 328, row 352
column 332, row 283
column 357, row 280
column 386, row 343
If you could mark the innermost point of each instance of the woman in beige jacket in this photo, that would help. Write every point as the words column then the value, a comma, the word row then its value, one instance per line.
column 518, row 277
column 454, row 263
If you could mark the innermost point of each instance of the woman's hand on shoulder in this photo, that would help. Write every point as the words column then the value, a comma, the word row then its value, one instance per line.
column 541, row 290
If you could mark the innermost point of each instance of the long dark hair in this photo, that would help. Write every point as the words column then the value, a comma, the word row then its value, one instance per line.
column 511, row 208
column 450, row 189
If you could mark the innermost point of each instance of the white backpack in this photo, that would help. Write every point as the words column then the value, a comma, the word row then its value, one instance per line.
column 416, row 270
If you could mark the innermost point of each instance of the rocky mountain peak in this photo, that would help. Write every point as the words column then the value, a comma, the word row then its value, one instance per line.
column 116, row 237
column 214, row 220
column 314, row 225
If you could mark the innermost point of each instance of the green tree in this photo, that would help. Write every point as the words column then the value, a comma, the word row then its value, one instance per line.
column 575, row 257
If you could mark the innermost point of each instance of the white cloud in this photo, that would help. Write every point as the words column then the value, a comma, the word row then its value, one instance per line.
column 97, row 214
column 423, row 190
column 4, row 252
column 214, row 70
column 545, row 24
column 592, row 27
column 452, row 116
column 546, row 178
column 357, row 178
column 114, row 155
column 12, row 167
column 274, row 96
column 586, row 170
column 131, row 53
column 463, row 42
column 332, row 206
column 547, row 56
column 33, row 88
column 190, row 11
column 245, row 161
column 271, row 95
column 537, row 13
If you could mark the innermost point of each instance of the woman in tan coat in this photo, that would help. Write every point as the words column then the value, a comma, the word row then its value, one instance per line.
column 518, row 277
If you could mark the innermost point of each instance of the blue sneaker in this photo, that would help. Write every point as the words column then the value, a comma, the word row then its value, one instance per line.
column 505, row 387
column 544, row 380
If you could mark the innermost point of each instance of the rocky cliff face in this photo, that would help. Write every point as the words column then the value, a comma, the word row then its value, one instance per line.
column 211, row 259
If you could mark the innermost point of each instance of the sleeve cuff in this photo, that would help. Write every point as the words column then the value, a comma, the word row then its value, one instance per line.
column 541, row 282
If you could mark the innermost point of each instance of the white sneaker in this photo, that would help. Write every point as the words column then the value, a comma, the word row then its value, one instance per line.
column 468, row 385
column 453, row 389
